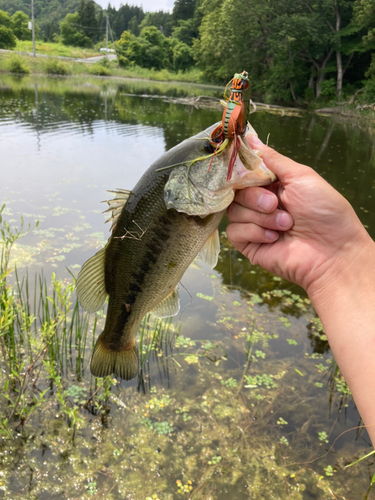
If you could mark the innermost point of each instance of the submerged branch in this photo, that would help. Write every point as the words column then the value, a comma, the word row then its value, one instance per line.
column 205, row 101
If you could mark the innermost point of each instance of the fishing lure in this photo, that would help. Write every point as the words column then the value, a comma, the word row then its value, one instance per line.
column 233, row 122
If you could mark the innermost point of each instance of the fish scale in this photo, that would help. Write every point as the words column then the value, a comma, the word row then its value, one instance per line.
column 158, row 229
column 174, row 237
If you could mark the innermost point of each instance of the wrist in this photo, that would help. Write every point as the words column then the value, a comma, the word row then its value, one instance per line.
column 350, row 273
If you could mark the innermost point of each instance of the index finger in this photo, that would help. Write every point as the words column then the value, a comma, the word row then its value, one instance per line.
column 285, row 168
column 257, row 198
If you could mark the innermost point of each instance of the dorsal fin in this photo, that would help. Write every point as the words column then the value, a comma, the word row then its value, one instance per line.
column 116, row 205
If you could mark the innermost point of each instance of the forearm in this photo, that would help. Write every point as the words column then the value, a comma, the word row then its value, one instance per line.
column 325, row 249
column 346, row 307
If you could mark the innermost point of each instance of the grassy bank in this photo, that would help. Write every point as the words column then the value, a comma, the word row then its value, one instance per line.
column 24, row 64
column 55, row 49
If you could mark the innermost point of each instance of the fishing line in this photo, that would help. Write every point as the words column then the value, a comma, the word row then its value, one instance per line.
column 187, row 305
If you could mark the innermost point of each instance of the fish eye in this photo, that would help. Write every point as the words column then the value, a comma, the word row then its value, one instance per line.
column 208, row 147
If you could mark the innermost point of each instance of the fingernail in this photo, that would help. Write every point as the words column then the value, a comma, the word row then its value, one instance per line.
column 284, row 220
column 254, row 140
column 271, row 235
column 266, row 202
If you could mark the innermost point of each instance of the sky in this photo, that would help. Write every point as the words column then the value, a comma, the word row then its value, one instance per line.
column 148, row 5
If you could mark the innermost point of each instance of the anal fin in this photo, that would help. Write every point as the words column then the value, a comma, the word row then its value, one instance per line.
column 169, row 306
column 210, row 252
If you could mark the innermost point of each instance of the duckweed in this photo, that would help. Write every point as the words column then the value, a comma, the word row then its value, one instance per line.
column 203, row 417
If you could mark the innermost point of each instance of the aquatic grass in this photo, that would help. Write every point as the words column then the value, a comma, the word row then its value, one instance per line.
column 41, row 335
column 155, row 335
column 263, row 433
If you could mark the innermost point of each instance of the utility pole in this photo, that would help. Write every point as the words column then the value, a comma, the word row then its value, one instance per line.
column 106, row 38
column 32, row 26
column 113, row 42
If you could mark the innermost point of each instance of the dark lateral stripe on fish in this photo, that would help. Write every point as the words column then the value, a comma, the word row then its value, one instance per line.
column 121, row 320
column 152, row 257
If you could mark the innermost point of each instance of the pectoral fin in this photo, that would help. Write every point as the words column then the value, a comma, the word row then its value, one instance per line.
column 168, row 306
column 90, row 285
column 210, row 252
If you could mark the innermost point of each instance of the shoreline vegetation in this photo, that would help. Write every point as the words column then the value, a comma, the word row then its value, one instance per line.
column 62, row 60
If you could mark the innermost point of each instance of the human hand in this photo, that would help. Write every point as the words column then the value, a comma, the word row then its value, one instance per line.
column 300, row 228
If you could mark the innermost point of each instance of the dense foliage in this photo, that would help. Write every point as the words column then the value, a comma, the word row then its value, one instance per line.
column 13, row 27
column 293, row 49
column 48, row 13
column 7, row 36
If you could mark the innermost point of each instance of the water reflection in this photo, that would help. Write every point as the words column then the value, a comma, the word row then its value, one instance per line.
column 242, row 374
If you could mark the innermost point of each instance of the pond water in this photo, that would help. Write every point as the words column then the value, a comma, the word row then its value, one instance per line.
column 238, row 396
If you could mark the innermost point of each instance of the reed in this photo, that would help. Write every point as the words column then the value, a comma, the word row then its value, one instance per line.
column 43, row 336
column 46, row 339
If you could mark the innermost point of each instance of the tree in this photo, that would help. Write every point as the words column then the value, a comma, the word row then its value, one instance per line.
column 287, row 46
column 186, row 31
column 183, row 9
column 21, row 25
column 133, row 26
column 50, row 31
column 122, row 48
column 334, row 13
column 5, row 20
column 182, row 55
column 7, row 37
column 229, row 43
column 161, row 20
column 127, row 18
column 71, row 33
column 364, row 17
column 45, row 11
column 150, row 50
column 89, row 23
column 364, row 21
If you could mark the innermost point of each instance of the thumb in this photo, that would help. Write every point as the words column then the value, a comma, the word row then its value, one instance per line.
column 285, row 168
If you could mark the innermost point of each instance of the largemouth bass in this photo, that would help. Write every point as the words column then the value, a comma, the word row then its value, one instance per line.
column 158, row 228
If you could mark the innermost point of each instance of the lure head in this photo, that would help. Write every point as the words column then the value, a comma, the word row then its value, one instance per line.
column 239, row 84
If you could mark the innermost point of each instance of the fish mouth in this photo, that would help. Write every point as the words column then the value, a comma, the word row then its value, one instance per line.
column 258, row 175
column 201, row 191
column 250, row 168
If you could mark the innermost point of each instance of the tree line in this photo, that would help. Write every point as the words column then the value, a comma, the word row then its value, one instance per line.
column 294, row 50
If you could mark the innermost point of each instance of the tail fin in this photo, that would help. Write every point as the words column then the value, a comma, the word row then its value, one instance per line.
column 105, row 361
